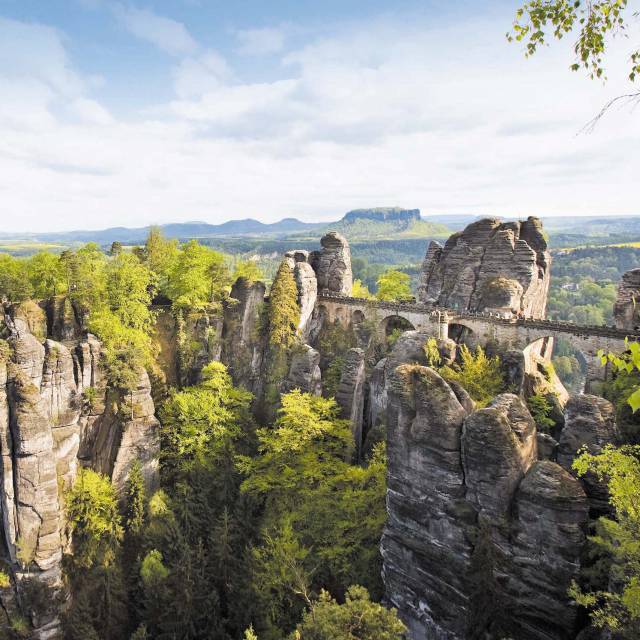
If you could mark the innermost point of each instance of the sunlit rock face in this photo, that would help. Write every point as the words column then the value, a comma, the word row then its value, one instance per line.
column 456, row 476
column 489, row 266
column 333, row 265
column 48, row 429
column 242, row 349
column 626, row 310
column 589, row 423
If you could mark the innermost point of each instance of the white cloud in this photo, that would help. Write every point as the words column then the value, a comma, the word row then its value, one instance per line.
column 91, row 112
column 259, row 42
column 446, row 120
column 195, row 76
column 166, row 34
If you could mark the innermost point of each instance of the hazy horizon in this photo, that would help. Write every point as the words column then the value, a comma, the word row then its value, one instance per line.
column 132, row 113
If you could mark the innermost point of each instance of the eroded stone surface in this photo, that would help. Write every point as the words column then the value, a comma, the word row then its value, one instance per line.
column 490, row 265
column 304, row 371
column 333, row 265
column 350, row 393
column 454, row 477
column 48, row 428
column 589, row 421
column 626, row 310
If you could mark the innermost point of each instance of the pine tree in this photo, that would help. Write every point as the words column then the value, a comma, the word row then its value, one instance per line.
column 135, row 501
column 284, row 312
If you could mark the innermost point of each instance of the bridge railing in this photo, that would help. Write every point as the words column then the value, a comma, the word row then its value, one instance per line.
column 532, row 323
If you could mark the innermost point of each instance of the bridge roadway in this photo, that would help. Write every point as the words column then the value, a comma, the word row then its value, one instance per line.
column 482, row 328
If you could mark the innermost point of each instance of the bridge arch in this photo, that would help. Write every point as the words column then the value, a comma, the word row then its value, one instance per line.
column 357, row 317
column 463, row 333
column 394, row 323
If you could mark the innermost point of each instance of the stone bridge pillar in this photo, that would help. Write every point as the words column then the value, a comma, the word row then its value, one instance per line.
column 443, row 325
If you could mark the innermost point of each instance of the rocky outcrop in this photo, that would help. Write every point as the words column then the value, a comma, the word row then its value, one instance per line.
column 409, row 348
column 242, row 342
column 589, row 421
column 548, row 537
column 304, row 371
column 63, row 319
column 493, row 266
column 56, row 413
column 626, row 310
column 426, row 547
column 333, row 265
column 350, row 393
column 474, row 519
column 307, row 285
column 498, row 447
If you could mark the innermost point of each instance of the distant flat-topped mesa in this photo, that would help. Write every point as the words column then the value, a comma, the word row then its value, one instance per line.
column 382, row 214
column 489, row 266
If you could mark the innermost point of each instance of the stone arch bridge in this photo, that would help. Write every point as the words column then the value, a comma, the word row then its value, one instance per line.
column 481, row 328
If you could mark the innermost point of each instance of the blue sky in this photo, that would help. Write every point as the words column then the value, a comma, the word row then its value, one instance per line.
column 130, row 113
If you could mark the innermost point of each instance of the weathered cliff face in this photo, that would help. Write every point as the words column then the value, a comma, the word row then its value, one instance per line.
column 589, row 421
column 350, row 393
column 333, row 265
column 48, row 429
column 457, row 477
column 242, row 342
column 626, row 311
column 304, row 371
column 489, row 266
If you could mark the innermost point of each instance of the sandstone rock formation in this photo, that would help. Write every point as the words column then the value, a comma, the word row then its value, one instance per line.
column 48, row 428
column 333, row 265
column 547, row 539
column 456, row 478
column 589, row 421
column 489, row 265
column 307, row 284
column 426, row 547
column 409, row 348
column 304, row 371
column 626, row 310
column 498, row 447
column 350, row 393
column 242, row 342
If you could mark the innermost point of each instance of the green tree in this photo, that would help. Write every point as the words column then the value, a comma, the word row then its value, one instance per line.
column 480, row 375
column 128, row 291
column 247, row 269
column 92, row 514
column 135, row 502
column 283, row 310
column 432, row 353
column 160, row 255
column 618, row 609
column 93, row 569
column 596, row 23
column 357, row 619
column 116, row 248
column 46, row 275
column 333, row 509
column 198, row 277
column 15, row 285
column 86, row 275
column 394, row 285
column 540, row 409
column 201, row 422
column 360, row 290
